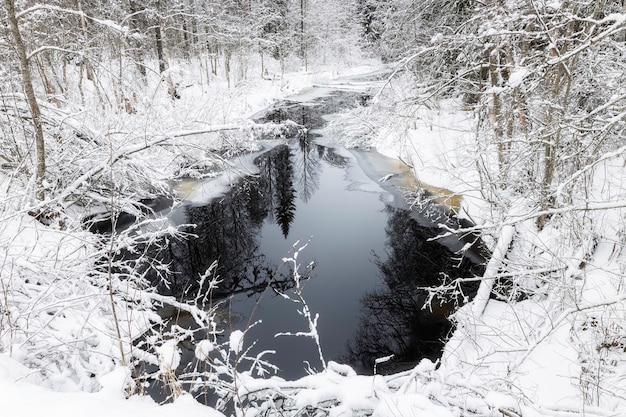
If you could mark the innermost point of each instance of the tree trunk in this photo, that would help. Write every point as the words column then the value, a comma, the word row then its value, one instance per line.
column 47, row 85
column 303, row 49
column 134, row 44
column 186, row 40
column 561, row 89
column 227, row 56
column 495, row 115
column 159, row 48
column 171, row 87
column 30, row 96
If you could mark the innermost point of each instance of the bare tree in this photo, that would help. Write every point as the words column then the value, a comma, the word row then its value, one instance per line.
column 31, row 98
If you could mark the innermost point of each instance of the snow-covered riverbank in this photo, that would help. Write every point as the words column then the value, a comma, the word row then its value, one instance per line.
column 550, row 341
column 552, row 352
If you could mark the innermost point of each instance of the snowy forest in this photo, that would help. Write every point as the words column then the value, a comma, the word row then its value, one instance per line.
column 511, row 114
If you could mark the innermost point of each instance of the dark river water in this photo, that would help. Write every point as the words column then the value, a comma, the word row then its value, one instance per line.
column 366, row 256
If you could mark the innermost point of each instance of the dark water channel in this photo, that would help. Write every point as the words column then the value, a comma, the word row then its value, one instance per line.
column 368, row 254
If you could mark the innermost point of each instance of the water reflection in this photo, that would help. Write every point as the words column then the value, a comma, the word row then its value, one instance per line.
column 394, row 318
column 232, row 230
column 227, row 230
column 277, row 173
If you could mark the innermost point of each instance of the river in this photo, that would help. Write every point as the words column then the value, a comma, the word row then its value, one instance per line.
column 366, row 257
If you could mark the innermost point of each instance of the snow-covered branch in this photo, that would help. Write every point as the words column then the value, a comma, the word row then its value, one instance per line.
column 47, row 7
column 516, row 219
column 598, row 160
column 305, row 311
column 50, row 48
column 619, row 24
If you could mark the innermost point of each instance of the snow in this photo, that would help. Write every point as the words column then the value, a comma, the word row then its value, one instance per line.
column 169, row 355
column 236, row 341
column 20, row 397
column 431, row 144
column 69, row 334
column 203, row 348
column 34, row 249
column 517, row 76
column 410, row 405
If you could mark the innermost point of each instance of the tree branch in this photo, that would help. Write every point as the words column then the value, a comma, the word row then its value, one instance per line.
column 108, row 23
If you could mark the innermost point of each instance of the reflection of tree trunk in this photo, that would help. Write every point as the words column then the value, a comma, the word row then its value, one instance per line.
column 307, row 166
column 395, row 319
column 306, row 189
column 227, row 231
column 30, row 96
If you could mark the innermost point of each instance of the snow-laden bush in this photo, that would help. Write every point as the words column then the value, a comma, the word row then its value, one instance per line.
column 68, row 310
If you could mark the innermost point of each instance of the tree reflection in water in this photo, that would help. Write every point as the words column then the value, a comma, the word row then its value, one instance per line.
column 228, row 229
column 307, row 167
column 395, row 319
column 285, row 194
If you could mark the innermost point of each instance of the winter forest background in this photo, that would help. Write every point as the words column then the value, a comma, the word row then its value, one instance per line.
column 103, row 104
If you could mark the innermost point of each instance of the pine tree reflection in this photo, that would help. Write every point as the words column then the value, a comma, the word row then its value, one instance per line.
column 285, row 194
column 227, row 229
column 394, row 319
